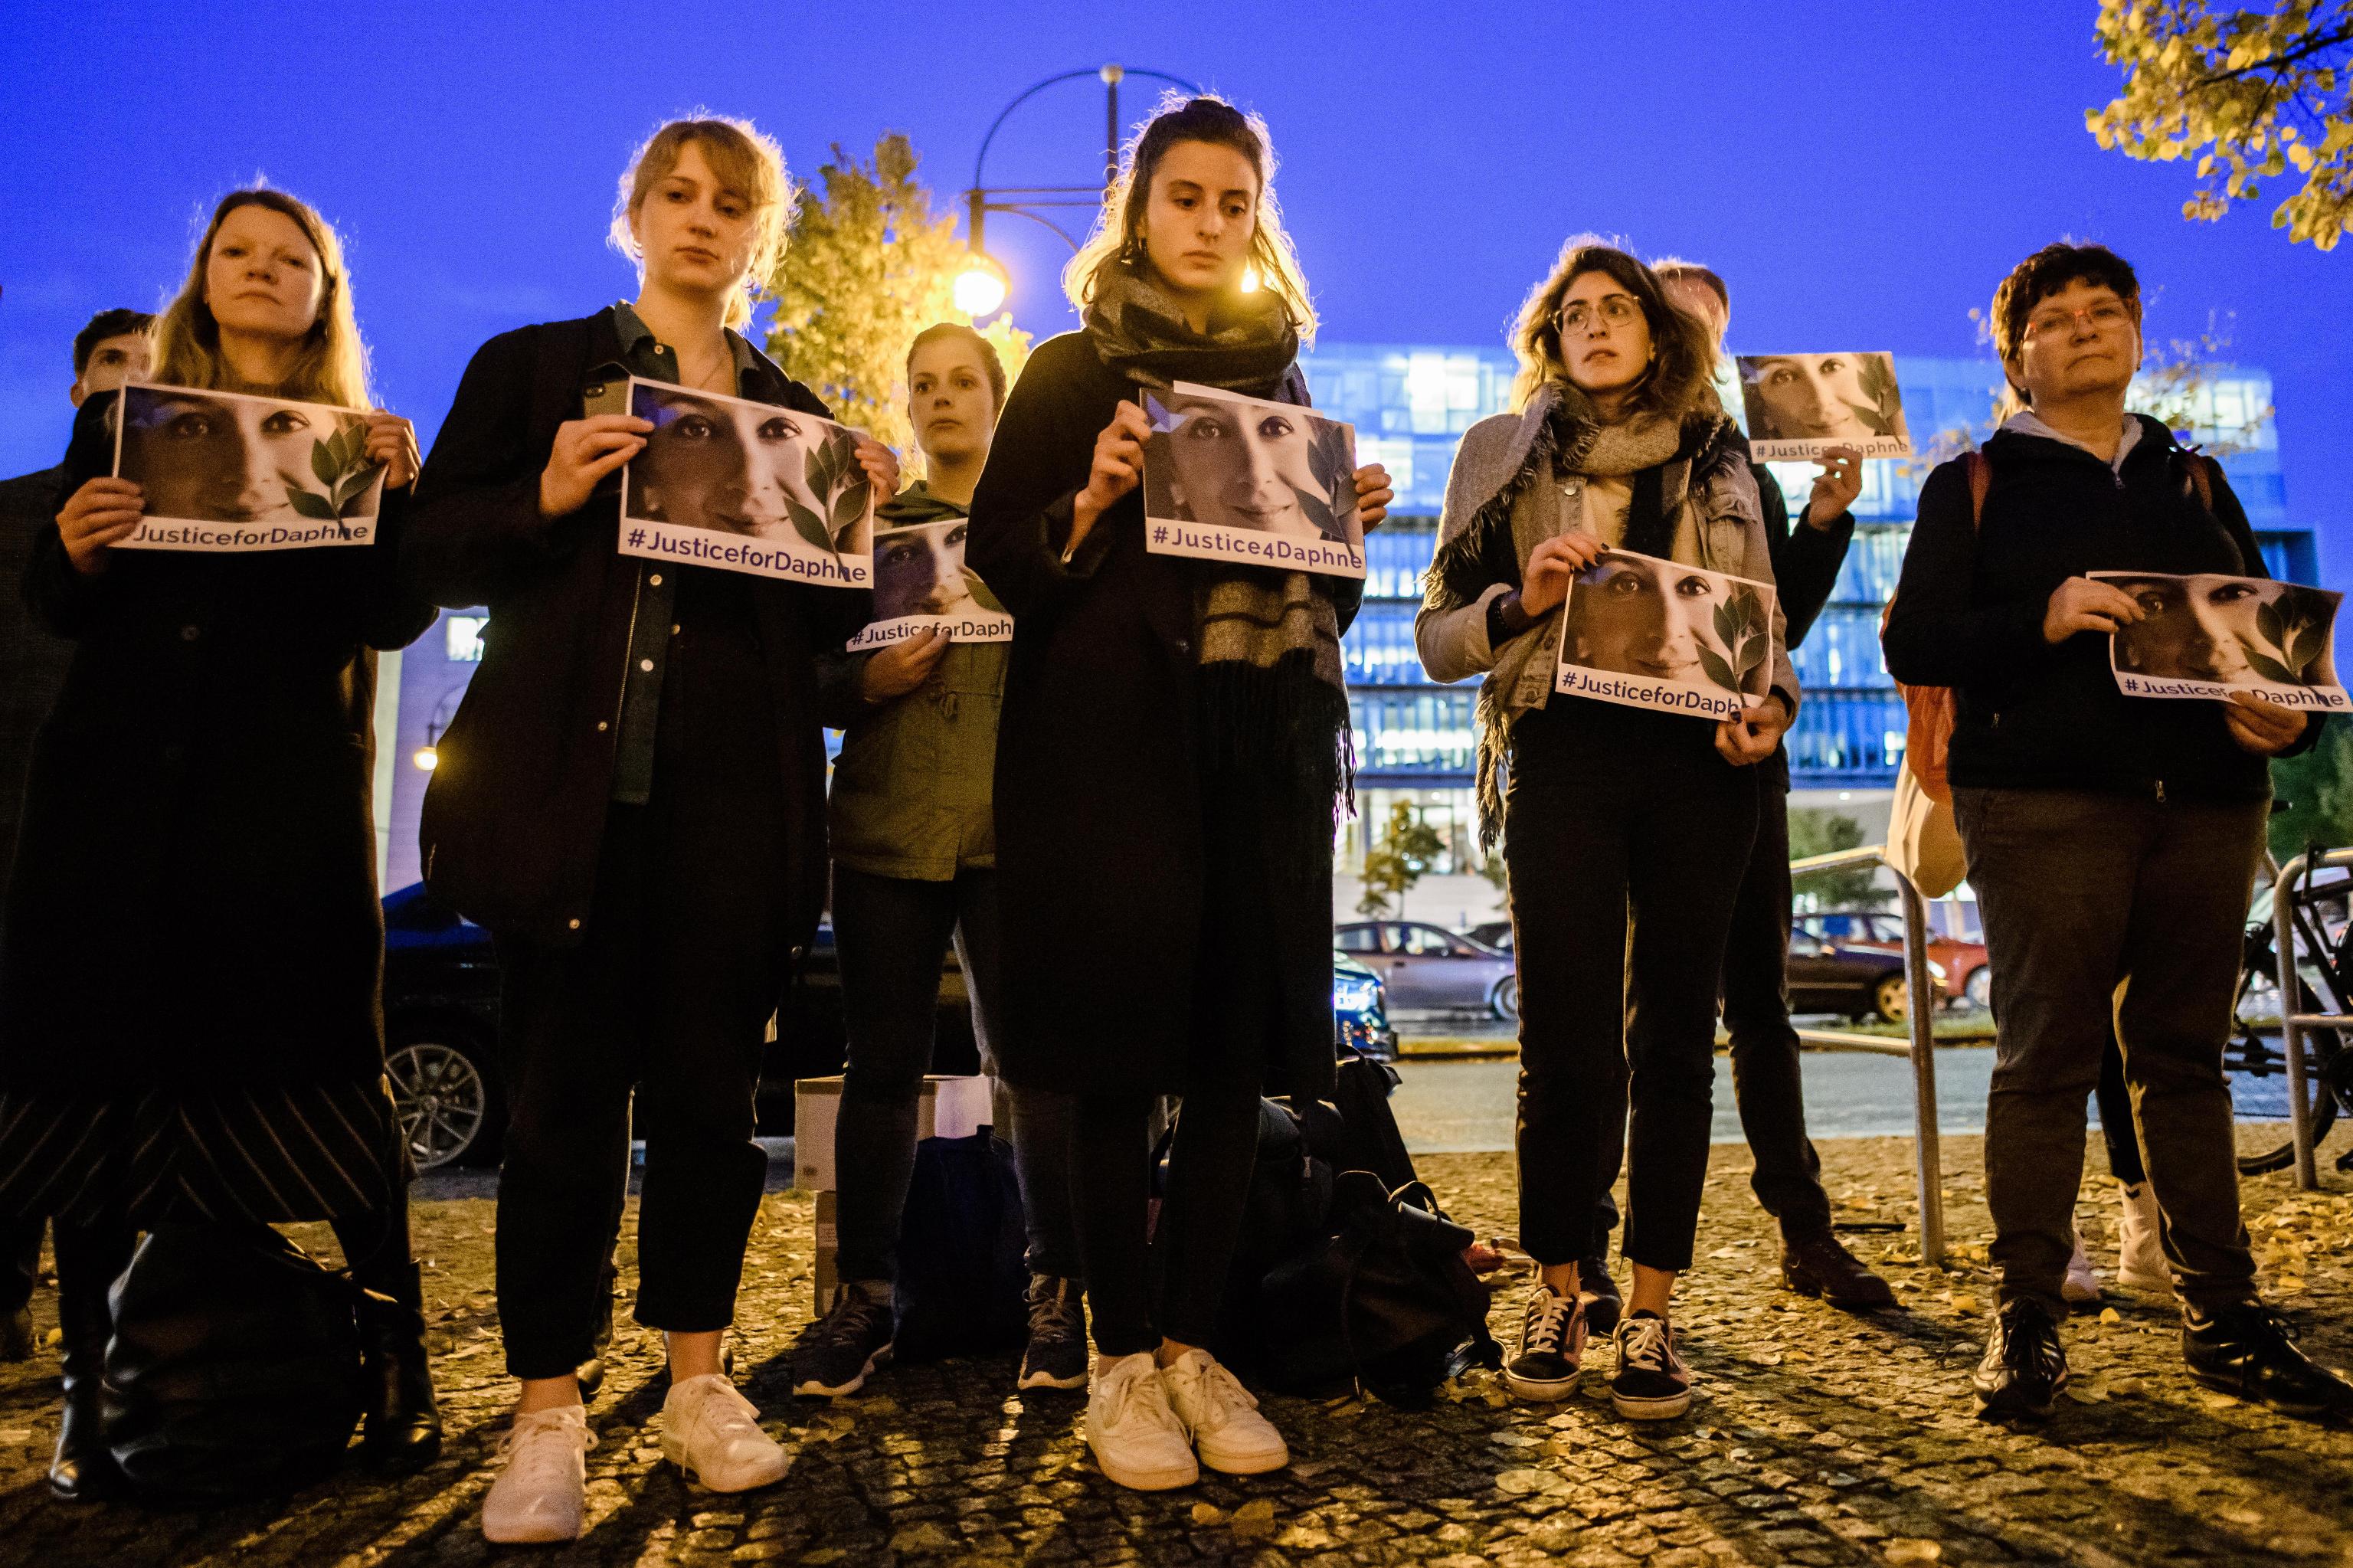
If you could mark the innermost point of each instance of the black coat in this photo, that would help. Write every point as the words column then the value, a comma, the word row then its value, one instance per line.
column 1806, row 563
column 515, row 813
column 33, row 659
column 1969, row 605
column 1099, row 786
column 196, row 898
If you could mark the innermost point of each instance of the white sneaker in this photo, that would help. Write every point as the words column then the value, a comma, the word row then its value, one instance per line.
column 1222, row 1415
column 2082, row 1284
column 1135, row 1436
column 2140, row 1264
column 544, row 1491
column 712, row 1433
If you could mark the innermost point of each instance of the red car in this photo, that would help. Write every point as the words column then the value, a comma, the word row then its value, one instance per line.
column 1963, row 960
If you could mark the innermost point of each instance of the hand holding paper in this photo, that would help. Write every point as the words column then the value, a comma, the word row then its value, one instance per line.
column 1750, row 738
column 392, row 446
column 585, row 451
column 900, row 667
column 2263, row 726
column 1118, row 468
column 1552, row 566
column 1373, row 494
column 101, row 511
column 2085, row 604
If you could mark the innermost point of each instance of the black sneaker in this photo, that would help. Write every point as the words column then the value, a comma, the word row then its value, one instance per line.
column 844, row 1347
column 1819, row 1265
column 1552, row 1346
column 2249, row 1349
column 2024, row 1366
column 1651, row 1383
column 1599, row 1293
column 17, row 1341
column 1057, row 1354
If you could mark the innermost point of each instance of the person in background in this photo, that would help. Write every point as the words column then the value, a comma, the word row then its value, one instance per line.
column 191, row 1023
column 2111, row 841
column 1627, row 832
column 111, row 349
column 914, row 864
column 1170, row 764
column 631, row 799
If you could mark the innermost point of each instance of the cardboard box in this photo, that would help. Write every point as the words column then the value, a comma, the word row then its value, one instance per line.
column 948, row 1107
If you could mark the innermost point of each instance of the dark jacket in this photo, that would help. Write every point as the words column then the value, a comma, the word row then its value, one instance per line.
column 196, row 901
column 1099, row 775
column 33, row 659
column 514, row 816
column 1806, row 563
column 1968, row 613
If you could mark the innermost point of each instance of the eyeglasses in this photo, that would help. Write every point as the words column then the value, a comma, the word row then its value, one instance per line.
column 1617, row 310
column 2105, row 317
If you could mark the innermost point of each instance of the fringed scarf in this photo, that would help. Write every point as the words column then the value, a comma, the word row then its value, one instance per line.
column 1274, row 698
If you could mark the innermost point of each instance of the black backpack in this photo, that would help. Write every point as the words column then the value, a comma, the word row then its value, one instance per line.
column 1286, row 1212
column 1386, row 1301
column 963, row 1277
column 234, row 1371
column 1357, row 1131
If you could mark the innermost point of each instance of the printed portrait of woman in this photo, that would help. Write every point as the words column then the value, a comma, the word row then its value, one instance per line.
column 753, row 469
column 1263, row 468
column 919, row 571
column 1635, row 614
column 1849, row 398
column 217, row 457
column 2235, row 631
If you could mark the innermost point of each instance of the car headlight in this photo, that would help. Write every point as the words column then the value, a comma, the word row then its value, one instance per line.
column 1350, row 994
column 1936, row 969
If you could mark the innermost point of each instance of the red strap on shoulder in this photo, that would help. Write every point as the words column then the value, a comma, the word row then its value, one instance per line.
column 1980, row 473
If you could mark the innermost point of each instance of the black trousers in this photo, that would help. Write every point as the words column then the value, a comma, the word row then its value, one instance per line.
column 891, row 933
column 2117, row 1118
column 1767, row 1084
column 2112, row 913
column 20, row 1261
column 1626, row 838
column 669, row 995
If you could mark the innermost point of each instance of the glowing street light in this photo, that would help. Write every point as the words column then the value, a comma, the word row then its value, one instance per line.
column 980, row 288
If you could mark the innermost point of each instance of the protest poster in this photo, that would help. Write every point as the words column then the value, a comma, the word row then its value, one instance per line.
column 921, row 581
column 1802, row 405
column 225, row 473
column 1229, row 478
column 746, row 487
column 1649, row 633
column 2206, row 635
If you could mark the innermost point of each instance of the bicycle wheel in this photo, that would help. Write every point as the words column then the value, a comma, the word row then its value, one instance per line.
column 2258, row 1050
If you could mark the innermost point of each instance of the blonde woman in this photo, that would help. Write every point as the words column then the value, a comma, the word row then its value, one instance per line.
column 632, row 799
column 189, row 1019
column 1625, row 831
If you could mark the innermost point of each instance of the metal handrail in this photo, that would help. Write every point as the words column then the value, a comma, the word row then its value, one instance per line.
column 2293, row 1023
column 1928, row 1150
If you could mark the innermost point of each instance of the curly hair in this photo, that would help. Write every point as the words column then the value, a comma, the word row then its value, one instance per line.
column 2049, row 271
column 1680, row 379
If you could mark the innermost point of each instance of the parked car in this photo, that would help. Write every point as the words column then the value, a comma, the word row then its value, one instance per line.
column 1962, row 960
column 441, row 1029
column 1860, row 981
column 1495, row 934
column 1427, row 966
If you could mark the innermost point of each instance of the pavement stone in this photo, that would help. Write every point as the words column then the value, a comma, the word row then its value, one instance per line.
column 1817, row 1437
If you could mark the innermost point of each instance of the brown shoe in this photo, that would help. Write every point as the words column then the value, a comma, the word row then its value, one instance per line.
column 1821, row 1265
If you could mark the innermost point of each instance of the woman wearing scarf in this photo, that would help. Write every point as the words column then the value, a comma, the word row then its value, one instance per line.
column 1615, row 818
column 1171, row 758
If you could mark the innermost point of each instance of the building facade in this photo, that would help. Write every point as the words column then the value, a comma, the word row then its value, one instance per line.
column 1415, row 737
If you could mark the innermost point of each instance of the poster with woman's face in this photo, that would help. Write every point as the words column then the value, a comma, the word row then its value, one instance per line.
column 921, row 582
column 746, row 487
column 2206, row 635
column 222, row 471
column 1802, row 405
column 1649, row 633
column 1227, row 478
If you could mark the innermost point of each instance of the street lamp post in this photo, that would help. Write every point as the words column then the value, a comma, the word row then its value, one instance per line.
column 981, row 286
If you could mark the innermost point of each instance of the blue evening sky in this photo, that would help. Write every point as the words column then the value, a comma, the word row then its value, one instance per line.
column 1863, row 173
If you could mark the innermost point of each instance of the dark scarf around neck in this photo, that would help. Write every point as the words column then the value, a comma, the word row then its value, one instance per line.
column 1139, row 331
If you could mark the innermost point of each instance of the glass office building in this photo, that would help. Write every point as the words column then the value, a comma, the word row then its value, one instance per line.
column 1415, row 737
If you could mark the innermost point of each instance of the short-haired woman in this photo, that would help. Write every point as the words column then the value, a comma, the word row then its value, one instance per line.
column 915, row 863
column 631, row 799
column 190, row 1022
column 1169, row 763
column 2112, row 840
column 1614, row 818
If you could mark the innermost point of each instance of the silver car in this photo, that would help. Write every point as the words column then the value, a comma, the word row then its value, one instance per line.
column 1426, row 966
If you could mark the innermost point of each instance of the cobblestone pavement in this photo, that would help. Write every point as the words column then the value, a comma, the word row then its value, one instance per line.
column 1817, row 1437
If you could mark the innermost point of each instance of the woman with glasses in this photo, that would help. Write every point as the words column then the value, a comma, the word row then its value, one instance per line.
column 1618, row 822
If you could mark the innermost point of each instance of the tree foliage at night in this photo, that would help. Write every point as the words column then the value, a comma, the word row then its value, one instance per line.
column 869, row 264
column 2250, row 92
column 1402, row 855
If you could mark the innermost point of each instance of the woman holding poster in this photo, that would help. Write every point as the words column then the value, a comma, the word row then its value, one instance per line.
column 914, row 864
column 631, row 798
column 1172, row 754
column 1614, row 815
column 189, row 1018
